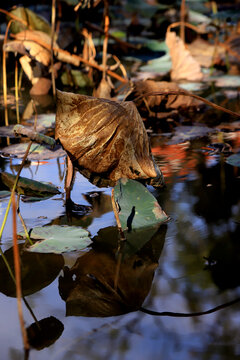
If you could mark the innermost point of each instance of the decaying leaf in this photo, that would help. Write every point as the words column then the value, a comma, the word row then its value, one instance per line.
column 104, row 138
column 33, row 135
column 205, row 53
column 35, row 21
column 37, row 152
column 184, row 66
column 30, row 41
column 165, row 101
column 27, row 186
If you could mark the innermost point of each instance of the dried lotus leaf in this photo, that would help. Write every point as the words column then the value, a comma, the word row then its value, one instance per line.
column 184, row 66
column 167, row 101
column 104, row 137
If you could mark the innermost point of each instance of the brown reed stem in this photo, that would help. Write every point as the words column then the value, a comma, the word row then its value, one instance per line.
column 5, row 74
column 53, row 21
column 182, row 17
column 105, row 41
column 16, row 92
column 18, row 275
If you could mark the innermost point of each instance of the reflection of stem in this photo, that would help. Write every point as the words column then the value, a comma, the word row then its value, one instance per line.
column 22, row 221
column 13, row 189
column 186, row 93
column 122, row 236
column 200, row 313
column 17, row 269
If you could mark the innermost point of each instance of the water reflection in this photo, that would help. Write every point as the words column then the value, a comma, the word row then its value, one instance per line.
column 223, row 261
column 88, row 287
column 37, row 271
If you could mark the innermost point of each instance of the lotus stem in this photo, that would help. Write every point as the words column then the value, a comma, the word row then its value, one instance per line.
column 5, row 74
column 17, row 269
column 52, row 42
column 16, row 92
column 105, row 42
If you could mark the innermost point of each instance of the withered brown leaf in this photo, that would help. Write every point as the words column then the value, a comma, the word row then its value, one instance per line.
column 104, row 138
column 184, row 66
column 166, row 102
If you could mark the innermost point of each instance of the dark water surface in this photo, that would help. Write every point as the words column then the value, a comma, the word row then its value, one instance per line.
column 195, row 260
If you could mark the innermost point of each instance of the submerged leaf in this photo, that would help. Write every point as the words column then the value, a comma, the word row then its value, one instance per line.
column 27, row 186
column 104, row 138
column 59, row 239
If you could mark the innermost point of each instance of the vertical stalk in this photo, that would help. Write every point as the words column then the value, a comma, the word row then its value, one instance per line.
column 16, row 91
column 182, row 18
column 105, row 42
column 5, row 75
column 18, row 275
column 52, row 43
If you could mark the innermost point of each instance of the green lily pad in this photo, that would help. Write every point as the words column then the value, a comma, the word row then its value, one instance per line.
column 27, row 186
column 234, row 160
column 58, row 239
column 37, row 152
column 138, row 207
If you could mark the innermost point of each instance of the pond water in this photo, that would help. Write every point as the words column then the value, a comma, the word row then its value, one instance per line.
column 190, row 264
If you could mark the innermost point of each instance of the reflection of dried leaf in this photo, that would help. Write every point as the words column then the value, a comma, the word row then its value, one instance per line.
column 41, row 87
column 104, row 137
column 184, row 66
column 165, row 101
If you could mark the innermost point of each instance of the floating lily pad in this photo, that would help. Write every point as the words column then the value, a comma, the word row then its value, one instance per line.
column 138, row 207
column 187, row 133
column 226, row 80
column 58, row 239
column 37, row 152
column 234, row 160
column 44, row 122
column 27, row 186
column 7, row 131
column 160, row 65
